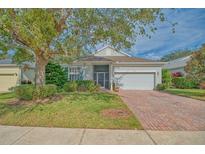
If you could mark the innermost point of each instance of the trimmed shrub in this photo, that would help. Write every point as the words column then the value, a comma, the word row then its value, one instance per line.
column 24, row 92
column 70, row 86
column 184, row 83
column 44, row 91
column 87, row 85
column 161, row 86
column 81, row 85
column 55, row 74
column 31, row 92
column 166, row 78
column 82, row 88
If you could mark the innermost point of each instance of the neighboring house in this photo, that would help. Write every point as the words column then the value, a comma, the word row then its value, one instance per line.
column 108, row 66
column 12, row 74
column 177, row 65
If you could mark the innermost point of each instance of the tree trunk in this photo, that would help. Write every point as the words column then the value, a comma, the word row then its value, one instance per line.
column 40, row 71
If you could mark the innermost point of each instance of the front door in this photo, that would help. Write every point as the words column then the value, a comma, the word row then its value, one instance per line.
column 101, row 79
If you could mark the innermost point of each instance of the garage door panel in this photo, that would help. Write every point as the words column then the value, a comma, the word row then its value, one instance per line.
column 9, row 77
column 135, row 81
column 7, row 82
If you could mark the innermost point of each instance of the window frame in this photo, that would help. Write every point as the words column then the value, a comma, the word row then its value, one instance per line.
column 74, row 72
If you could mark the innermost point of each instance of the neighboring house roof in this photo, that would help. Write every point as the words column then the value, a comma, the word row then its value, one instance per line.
column 177, row 63
column 7, row 63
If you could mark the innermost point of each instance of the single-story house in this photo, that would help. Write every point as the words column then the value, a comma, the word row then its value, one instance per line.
column 12, row 74
column 177, row 65
column 106, row 67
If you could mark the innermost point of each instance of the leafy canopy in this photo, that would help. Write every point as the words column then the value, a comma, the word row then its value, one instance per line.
column 44, row 34
column 53, row 32
column 195, row 68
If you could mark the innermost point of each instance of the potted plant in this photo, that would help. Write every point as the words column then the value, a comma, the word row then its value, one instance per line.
column 115, row 87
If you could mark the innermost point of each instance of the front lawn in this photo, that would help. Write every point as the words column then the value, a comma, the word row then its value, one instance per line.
column 192, row 93
column 75, row 110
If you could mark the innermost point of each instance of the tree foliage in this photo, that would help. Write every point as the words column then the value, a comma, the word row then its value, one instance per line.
column 176, row 55
column 166, row 78
column 55, row 74
column 44, row 34
column 195, row 68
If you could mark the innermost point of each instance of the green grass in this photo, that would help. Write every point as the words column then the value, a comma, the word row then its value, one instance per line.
column 75, row 110
column 192, row 93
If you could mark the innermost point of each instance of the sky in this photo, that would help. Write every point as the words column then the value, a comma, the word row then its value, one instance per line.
column 190, row 34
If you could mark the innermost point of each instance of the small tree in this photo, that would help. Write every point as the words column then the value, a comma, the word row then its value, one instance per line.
column 166, row 78
column 195, row 68
column 55, row 74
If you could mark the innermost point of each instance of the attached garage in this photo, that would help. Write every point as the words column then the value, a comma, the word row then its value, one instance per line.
column 137, row 77
column 136, row 81
column 9, row 77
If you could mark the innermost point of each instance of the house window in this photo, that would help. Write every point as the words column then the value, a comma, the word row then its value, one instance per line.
column 75, row 73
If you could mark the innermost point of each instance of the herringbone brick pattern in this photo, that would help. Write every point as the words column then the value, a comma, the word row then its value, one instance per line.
column 161, row 111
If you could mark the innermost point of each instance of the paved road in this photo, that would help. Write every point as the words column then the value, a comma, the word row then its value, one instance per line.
column 43, row 135
column 162, row 111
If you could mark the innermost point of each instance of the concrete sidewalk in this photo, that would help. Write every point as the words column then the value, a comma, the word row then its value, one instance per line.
column 43, row 135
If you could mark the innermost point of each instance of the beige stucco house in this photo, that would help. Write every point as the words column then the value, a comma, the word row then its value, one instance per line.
column 108, row 66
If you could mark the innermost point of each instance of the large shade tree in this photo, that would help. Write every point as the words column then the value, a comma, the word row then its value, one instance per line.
column 43, row 34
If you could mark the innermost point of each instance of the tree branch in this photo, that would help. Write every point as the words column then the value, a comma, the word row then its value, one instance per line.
column 61, row 24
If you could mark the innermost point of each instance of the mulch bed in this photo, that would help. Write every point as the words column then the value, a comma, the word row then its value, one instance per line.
column 39, row 101
column 116, row 113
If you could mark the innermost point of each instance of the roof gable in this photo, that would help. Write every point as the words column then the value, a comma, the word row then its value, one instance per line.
column 109, row 51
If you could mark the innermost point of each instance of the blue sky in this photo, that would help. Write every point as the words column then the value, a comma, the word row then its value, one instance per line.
column 190, row 34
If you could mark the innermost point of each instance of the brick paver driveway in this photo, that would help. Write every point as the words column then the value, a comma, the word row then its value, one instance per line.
column 161, row 111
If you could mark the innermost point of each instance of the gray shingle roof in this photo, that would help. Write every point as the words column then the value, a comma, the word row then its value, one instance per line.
column 113, row 59
column 177, row 63
column 6, row 61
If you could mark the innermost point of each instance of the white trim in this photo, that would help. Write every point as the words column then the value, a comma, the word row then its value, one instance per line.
column 104, row 78
column 111, row 76
column 75, row 71
column 142, row 63
column 9, row 65
column 136, row 71
column 141, row 72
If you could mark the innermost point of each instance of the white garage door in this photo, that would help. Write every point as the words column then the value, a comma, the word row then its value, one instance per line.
column 135, row 81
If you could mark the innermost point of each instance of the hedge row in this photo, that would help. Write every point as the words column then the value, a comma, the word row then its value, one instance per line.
column 183, row 83
column 31, row 92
